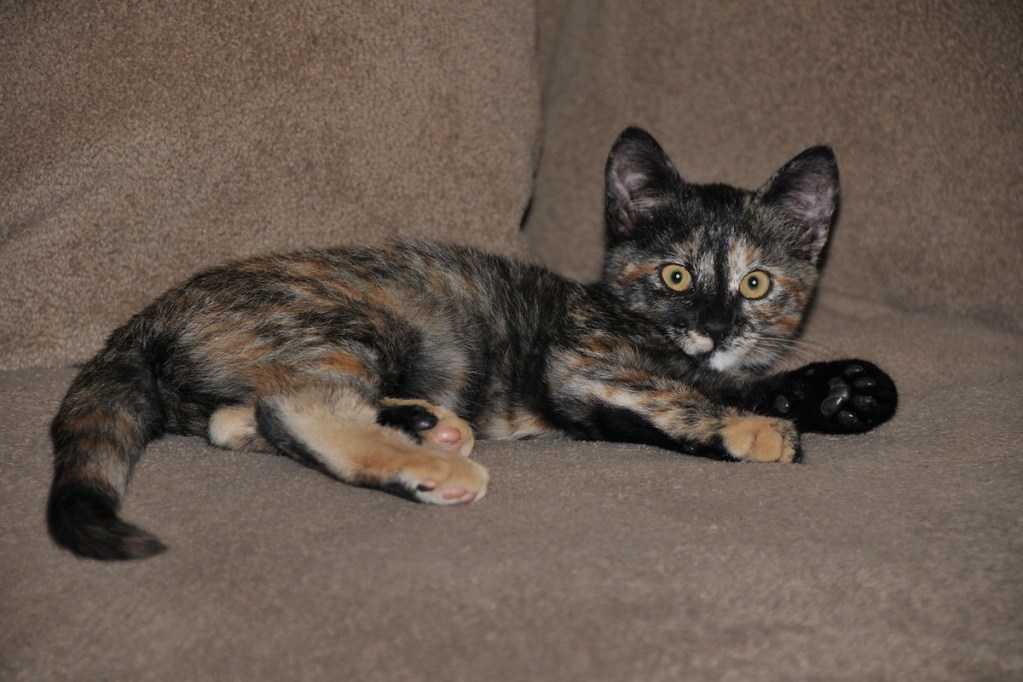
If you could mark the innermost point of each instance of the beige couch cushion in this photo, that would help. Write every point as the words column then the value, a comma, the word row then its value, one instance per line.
column 921, row 102
column 142, row 142
column 889, row 556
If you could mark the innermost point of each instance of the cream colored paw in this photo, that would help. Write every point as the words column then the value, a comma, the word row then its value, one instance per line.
column 234, row 427
column 760, row 439
column 444, row 478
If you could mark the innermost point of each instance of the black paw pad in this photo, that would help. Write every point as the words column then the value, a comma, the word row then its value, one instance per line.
column 845, row 396
column 839, row 393
column 412, row 419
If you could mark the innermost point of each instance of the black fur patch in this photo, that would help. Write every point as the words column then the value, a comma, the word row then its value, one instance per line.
column 82, row 517
column 274, row 430
column 841, row 396
column 625, row 426
column 411, row 419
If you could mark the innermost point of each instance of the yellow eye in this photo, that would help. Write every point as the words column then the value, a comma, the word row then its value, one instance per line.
column 676, row 277
column 755, row 285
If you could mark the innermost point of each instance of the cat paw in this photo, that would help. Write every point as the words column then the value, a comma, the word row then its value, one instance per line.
column 442, row 478
column 760, row 439
column 234, row 427
column 429, row 425
column 842, row 396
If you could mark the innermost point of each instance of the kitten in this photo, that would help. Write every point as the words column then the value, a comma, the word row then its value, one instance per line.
column 371, row 363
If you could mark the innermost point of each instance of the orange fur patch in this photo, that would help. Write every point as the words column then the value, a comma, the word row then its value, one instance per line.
column 638, row 271
column 760, row 439
column 341, row 361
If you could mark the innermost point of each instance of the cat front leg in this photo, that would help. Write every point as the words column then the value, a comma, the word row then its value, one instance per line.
column 760, row 439
column 703, row 430
column 597, row 398
column 838, row 396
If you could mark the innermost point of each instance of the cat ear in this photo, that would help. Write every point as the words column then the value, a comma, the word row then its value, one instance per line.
column 639, row 178
column 806, row 192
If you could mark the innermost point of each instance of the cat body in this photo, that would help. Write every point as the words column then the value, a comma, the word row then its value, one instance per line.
column 381, row 365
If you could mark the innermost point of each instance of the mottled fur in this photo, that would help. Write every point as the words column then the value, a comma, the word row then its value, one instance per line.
column 367, row 363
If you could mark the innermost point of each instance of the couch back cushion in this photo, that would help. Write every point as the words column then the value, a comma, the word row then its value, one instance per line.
column 142, row 142
column 922, row 102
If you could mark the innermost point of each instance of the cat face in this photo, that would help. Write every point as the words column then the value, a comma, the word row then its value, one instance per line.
column 726, row 273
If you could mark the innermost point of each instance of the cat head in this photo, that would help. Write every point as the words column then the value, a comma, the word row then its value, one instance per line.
column 726, row 273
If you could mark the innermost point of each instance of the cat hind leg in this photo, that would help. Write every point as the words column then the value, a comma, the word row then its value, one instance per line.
column 234, row 427
column 336, row 430
column 428, row 424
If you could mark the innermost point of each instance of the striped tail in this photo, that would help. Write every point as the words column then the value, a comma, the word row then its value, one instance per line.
column 108, row 416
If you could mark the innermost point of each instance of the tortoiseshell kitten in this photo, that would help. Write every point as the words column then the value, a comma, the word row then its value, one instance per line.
column 371, row 364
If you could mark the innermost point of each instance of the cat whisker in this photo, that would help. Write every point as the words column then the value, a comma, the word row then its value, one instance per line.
column 781, row 346
column 801, row 344
column 798, row 351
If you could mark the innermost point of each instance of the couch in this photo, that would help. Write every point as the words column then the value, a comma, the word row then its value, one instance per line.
column 143, row 141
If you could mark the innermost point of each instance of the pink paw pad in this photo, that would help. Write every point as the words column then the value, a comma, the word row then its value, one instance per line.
column 446, row 436
column 458, row 494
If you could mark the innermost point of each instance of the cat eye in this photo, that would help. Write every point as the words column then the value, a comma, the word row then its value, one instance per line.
column 676, row 277
column 755, row 285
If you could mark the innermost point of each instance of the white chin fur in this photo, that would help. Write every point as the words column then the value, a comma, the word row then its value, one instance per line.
column 723, row 360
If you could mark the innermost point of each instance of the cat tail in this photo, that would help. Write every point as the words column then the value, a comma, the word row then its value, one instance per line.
column 111, row 412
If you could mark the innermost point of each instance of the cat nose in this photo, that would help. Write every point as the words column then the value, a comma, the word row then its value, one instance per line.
column 716, row 327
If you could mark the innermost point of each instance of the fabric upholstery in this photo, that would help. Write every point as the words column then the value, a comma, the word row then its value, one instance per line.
column 920, row 101
column 146, row 141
